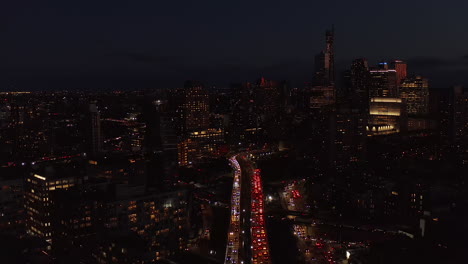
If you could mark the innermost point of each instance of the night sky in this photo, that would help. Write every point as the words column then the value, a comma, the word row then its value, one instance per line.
column 149, row 44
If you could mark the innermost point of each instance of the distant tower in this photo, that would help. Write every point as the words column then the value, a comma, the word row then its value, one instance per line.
column 267, row 94
column 152, row 146
column 401, row 71
column 330, row 38
column 460, row 118
column 94, row 132
column 323, row 90
column 383, row 81
column 325, row 61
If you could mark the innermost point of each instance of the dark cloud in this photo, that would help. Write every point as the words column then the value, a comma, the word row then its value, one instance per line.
column 427, row 62
column 141, row 57
column 438, row 63
column 441, row 72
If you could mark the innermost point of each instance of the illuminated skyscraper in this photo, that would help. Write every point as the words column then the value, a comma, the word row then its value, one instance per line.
column 38, row 200
column 198, row 145
column 415, row 93
column 195, row 107
column 401, row 70
column 383, row 81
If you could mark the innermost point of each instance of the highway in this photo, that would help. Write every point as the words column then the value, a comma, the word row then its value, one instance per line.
column 247, row 241
column 233, row 241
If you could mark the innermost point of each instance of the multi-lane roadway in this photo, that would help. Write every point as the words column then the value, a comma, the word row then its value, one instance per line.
column 247, row 236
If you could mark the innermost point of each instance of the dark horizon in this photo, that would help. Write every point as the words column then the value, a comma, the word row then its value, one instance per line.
column 156, row 45
column 441, row 74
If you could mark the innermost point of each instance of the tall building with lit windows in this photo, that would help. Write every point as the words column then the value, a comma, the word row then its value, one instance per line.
column 158, row 220
column 383, row 81
column 401, row 70
column 386, row 116
column 195, row 106
column 39, row 188
column 348, row 136
column 415, row 93
column 199, row 144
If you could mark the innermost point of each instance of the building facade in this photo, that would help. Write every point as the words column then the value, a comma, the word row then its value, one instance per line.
column 415, row 93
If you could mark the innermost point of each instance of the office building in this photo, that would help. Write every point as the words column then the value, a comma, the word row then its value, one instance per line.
column 245, row 120
column 199, row 144
column 38, row 196
column 383, row 81
column 415, row 93
column 348, row 136
column 158, row 220
column 267, row 98
column 195, row 107
column 401, row 71
column 386, row 116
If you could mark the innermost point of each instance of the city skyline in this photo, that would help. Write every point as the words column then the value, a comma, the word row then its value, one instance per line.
column 233, row 132
column 159, row 45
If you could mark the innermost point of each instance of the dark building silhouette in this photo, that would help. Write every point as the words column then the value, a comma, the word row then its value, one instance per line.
column 18, row 123
column 94, row 131
column 348, row 135
column 152, row 145
column 245, row 119
column 322, row 92
column 359, row 83
column 325, row 62
column 267, row 97
column 441, row 109
column 460, row 117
